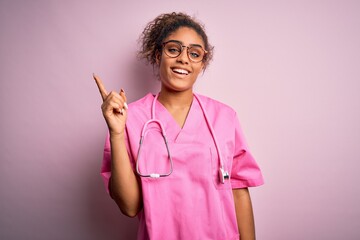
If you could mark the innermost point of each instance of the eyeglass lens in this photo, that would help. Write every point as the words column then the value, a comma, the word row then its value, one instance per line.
column 174, row 49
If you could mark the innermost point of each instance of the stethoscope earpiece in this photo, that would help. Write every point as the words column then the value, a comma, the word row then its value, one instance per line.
column 223, row 175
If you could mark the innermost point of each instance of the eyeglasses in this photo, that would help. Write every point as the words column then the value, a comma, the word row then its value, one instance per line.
column 173, row 49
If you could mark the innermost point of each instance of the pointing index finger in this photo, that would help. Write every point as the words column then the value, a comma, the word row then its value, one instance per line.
column 101, row 87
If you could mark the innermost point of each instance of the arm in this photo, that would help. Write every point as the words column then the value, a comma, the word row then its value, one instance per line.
column 123, row 185
column 244, row 214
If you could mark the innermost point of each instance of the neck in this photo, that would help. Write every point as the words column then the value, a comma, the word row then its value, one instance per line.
column 172, row 99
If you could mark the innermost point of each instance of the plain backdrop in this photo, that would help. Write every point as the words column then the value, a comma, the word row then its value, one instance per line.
column 291, row 69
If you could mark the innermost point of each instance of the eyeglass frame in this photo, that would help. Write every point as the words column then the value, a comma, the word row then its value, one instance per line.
column 187, row 50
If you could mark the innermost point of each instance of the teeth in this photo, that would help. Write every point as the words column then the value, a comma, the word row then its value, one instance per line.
column 181, row 71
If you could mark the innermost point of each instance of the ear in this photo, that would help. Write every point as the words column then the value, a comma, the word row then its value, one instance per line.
column 203, row 66
column 158, row 57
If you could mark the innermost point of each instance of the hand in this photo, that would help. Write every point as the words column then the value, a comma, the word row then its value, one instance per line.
column 113, row 108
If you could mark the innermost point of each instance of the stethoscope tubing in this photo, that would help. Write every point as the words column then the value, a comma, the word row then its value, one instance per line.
column 222, row 173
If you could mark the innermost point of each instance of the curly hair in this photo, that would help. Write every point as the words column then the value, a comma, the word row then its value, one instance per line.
column 161, row 27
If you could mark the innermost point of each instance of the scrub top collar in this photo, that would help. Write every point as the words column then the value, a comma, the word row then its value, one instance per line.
column 174, row 132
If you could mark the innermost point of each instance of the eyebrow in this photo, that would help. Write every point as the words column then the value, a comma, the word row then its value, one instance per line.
column 190, row 45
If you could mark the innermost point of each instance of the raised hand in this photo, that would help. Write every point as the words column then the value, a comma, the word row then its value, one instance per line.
column 113, row 108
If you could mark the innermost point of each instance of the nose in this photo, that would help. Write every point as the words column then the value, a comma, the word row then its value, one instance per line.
column 183, row 57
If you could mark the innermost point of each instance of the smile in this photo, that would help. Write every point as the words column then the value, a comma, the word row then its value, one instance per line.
column 180, row 71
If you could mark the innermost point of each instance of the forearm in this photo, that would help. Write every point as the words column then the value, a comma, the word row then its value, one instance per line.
column 124, row 186
column 244, row 214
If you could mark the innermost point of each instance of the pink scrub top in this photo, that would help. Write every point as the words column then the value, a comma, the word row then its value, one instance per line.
column 191, row 203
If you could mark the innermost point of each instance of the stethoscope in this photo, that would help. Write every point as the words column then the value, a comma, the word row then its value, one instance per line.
column 223, row 174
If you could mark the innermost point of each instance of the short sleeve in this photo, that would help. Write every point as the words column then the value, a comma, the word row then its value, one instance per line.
column 106, row 163
column 245, row 171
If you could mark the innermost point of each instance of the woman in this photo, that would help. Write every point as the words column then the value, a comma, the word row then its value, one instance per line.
column 194, row 184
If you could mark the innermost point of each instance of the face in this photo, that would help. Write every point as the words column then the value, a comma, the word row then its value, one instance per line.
column 180, row 73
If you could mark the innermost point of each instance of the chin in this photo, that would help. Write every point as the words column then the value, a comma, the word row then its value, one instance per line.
column 177, row 87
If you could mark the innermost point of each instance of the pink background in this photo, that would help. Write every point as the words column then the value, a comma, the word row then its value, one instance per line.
column 290, row 69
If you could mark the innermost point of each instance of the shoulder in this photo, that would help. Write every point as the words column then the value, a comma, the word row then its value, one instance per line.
column 144, row 101
column 141, row 108
column 220, row 116
column 215, row 107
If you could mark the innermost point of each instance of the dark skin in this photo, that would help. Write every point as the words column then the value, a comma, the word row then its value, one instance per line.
column 244, row 213
column 124, row 186
column 176, row 95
